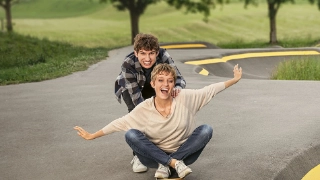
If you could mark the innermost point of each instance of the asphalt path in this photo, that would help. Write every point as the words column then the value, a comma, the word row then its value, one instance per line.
column 263, row 129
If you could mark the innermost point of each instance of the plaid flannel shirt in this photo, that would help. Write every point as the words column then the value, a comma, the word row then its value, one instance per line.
column 132, row 77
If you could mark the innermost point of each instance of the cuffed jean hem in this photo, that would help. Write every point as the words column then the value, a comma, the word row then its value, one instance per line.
column 150, row 155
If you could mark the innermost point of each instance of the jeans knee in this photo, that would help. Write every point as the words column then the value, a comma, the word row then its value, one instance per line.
column 132, row 135
column 206, row 131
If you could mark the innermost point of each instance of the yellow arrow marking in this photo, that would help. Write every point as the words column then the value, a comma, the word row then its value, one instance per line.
column 204, row 72
column 251, row 55
column 175, row 46
column 313, row 174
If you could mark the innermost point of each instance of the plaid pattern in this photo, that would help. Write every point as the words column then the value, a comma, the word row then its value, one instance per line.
column 132, row 76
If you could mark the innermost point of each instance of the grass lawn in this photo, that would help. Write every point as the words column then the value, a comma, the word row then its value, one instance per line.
column 102, row 25
column 55, row 38
column 303, row 68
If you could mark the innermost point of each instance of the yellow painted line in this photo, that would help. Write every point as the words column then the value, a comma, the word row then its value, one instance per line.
column 204, row 72
column 175, row 46
column 251, row 55
column 313, row 174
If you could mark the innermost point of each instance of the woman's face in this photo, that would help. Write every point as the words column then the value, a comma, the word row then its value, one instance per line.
column 163, row 85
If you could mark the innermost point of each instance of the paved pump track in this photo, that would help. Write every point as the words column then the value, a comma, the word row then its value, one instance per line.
column 263, row 129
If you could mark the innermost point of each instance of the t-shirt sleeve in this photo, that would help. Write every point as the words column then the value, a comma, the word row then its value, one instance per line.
column 200, row 97
column 136, row 119
column 119, row 124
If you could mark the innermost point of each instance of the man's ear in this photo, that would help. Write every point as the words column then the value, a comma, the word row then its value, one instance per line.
column 136, row 53
column 152, row 84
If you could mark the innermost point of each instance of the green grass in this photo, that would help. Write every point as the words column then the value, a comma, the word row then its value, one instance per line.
column 55, row 38
column 28, row 59
column 43, row 9
column 303, row 68
column 107, row 27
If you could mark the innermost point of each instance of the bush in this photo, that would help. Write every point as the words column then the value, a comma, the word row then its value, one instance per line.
column 27, row 59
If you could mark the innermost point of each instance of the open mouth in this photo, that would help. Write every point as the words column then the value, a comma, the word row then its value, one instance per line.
column 164, row 91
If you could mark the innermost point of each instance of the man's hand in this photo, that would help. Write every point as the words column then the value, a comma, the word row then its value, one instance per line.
column 175, row 92
column 83, row 133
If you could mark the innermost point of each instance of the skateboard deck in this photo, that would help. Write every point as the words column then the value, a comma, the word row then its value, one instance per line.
column 172, row 177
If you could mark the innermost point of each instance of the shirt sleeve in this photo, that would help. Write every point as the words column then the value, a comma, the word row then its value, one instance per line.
column 130, row 81
column 201, row 97
column 136, row 119
column 115, row 126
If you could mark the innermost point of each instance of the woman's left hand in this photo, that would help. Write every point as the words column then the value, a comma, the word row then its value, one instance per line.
column 175, row 92
column 237, row 72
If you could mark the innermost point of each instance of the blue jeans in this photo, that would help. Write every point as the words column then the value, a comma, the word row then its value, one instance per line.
column 150, row 155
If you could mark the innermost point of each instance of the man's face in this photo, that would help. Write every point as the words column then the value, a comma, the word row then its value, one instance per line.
column 163, row 85
column 146, row 58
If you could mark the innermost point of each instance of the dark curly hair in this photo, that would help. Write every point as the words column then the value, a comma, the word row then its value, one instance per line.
column 146, row 42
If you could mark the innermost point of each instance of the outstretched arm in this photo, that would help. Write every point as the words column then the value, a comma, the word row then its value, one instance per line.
column 237, row 73
column 83, row 133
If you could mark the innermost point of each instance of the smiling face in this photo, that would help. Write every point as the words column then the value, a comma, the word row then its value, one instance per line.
column 163, row 85
column 163, row 79
column 146, row 58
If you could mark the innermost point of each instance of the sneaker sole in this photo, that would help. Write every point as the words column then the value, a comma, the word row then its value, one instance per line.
column 169, row 178
column 140, row 171
column 186, row 174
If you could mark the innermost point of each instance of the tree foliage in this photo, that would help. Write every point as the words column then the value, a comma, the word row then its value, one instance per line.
column 315, row 1
column 137, row 7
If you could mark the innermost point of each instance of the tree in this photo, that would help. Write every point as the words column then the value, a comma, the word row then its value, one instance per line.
column 6, row 4
column 137, row 7
column 313, row 1
column 273, row 7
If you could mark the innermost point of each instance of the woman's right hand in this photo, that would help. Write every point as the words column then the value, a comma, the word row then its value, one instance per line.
column 83, row 133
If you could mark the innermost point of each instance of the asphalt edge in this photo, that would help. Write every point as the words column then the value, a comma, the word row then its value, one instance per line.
column 299, row 166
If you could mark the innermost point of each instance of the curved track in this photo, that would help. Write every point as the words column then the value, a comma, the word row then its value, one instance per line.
column 261, row 126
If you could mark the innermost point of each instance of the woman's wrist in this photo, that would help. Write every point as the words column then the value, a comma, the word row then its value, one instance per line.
column 96, row 135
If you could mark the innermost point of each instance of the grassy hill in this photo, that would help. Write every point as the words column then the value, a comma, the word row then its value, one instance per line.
column 91, row 24
column 56, row 37
column 43, row 9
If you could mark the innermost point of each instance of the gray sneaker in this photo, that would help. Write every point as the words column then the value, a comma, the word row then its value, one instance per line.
column 162, row 172
column 182, row 169
column 137, row 166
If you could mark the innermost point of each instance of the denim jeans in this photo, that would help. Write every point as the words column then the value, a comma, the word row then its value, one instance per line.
column 150, row 155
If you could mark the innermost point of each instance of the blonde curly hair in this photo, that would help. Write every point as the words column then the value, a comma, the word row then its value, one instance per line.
column 163, row 68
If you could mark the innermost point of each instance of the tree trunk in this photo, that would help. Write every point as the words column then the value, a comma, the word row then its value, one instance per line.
column 272, row 18
column 7, row 8
column 134, row 21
